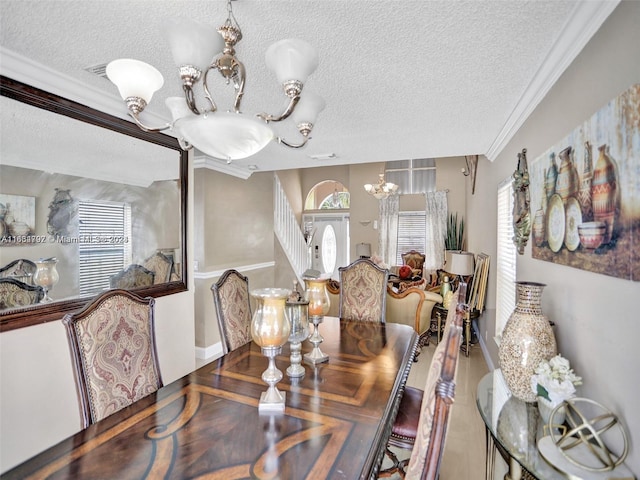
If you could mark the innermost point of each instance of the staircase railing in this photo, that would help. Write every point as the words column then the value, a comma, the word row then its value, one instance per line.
column 288, row 231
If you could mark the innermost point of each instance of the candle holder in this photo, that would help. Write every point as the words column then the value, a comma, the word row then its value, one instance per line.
column 298, row 315
column 270, row 329
column 46, row 276
column 318, row 298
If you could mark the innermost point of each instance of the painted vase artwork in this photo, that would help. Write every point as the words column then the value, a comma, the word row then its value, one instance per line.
column 585, row 189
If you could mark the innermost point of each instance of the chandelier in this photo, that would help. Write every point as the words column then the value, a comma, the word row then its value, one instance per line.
column 198, row 49
column 381, row 189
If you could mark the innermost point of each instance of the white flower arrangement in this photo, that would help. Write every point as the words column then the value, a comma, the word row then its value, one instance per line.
column 554, row 380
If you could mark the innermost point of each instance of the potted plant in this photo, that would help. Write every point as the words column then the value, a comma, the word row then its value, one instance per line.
column 454, row 239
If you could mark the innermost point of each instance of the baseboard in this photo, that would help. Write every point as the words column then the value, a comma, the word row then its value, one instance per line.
column 483, row 347
column 209, row 353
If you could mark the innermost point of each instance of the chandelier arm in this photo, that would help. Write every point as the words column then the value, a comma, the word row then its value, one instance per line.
column 205, row 87
column 146, row 128
column 240, row 86
column 290, row 145
column 284, row 115
column 191, row 100
column 184, row 145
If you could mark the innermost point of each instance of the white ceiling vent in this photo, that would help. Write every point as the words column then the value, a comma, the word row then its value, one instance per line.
column 99, row 70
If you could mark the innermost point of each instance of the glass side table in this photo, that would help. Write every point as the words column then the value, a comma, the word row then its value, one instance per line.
column 513, row 428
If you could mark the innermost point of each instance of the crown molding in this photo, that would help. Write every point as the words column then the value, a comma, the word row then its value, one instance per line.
column 202, row 161
column 583, row 23
column 26, row 70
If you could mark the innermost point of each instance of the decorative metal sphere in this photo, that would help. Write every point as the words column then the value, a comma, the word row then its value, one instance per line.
column 588, row 434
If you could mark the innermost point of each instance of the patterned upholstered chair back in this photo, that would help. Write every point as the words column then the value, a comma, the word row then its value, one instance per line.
column 415, row 260
column 14, row 293
column 161, row 266
column 233, row 308
column 21, row 269
column 133, row 276
column 113, row 346
column 363, row 291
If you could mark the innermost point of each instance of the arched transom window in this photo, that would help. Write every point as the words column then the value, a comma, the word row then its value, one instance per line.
column 328, row 195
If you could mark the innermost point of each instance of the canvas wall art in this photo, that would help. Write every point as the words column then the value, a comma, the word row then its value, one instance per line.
column 17, row 219
column 585, row 193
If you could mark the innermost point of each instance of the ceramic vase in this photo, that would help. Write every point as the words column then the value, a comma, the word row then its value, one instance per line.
column 550, row 177
column 604, row 192
column 584, row 194
column 567, row 182
column 538, row 227
column 527, row 339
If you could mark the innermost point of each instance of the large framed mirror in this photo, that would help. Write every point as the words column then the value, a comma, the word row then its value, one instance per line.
column 104, row 198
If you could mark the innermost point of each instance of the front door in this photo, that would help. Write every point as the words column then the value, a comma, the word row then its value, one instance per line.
column 330, row 244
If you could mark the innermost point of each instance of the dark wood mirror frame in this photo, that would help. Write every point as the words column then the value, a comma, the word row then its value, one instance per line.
column 36, row 314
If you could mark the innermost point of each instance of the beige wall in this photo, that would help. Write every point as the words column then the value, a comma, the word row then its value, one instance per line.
column 153, row 209
column 596, row 316
column 39, row 405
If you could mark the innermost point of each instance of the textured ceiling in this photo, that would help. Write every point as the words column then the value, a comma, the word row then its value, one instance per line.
column 402, row 79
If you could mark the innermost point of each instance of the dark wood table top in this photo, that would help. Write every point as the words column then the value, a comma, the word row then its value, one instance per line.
column 207, row 424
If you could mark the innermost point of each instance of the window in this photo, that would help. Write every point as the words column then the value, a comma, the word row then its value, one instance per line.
column 412, row 176
column 327, row 195
column 411, row 233
column 104, row 243
column 506, row 257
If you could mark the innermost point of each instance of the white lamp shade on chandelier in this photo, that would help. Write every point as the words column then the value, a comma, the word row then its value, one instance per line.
column 291, row 59
column 225, row 134
column 197, row 49
column 134, row 78
column 193, row 43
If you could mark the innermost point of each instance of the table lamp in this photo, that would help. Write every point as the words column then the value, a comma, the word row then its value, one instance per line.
column 459, row 264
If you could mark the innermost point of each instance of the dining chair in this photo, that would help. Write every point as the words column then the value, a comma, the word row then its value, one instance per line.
column 14, row 293
column 363, row 291
column 112, row 342
column 423, row 415
column 161, row 266
column 20, row 269
column 233, row 309
column 133, row 276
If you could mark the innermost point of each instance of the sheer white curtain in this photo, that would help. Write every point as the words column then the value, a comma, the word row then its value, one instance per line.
column 388, row 231
column 436, row 221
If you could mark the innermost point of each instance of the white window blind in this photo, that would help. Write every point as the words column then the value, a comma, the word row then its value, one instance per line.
column 411, row 233
column 104, row 243
column 506, row 257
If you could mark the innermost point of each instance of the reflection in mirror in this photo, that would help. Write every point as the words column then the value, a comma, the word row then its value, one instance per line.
column 103, row 204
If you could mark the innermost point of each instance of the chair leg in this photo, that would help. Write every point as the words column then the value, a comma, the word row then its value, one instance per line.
column 397, row 467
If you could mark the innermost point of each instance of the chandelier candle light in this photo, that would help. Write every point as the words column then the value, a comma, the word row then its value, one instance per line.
column 270, row 329
column 381, row 189
column 318, row 298
column 197, row 49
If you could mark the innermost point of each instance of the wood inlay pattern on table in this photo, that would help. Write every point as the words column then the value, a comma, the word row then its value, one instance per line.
column 207, row 424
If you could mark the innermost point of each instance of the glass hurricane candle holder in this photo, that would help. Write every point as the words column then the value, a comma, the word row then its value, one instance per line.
column 46, row 276
column 298, row 315
column 270, row 329
column 318, row 298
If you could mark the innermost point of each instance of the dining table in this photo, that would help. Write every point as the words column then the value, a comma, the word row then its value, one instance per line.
column 207, row 424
